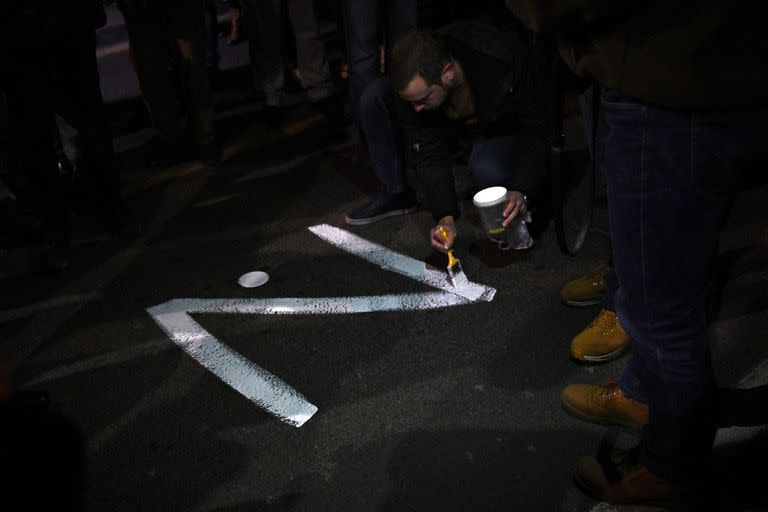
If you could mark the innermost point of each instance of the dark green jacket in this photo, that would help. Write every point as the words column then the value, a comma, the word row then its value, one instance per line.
column 684, row 54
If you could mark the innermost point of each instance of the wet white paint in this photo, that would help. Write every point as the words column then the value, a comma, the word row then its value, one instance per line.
column 267, row 390
column 253, row 279
column 393, row 261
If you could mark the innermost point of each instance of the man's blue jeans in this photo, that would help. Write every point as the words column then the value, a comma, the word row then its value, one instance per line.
column 670, row 177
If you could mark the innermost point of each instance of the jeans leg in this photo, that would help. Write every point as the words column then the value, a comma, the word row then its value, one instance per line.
column 669, row 174
column 402, row 17
column 494, row 161
column 81, row 117
column 263, row 23
column 310, row 49
column 150, row 46
column 30, row 108
column 378, row 121
column 362, row 22
column 188, row 30
column 211, row 33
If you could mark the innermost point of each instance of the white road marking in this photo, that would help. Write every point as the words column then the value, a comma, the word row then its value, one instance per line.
column 399, row 263
column 265, row 389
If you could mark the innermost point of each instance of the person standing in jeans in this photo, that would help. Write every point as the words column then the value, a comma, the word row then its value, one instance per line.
column 263, row 23
column 370, row 25
column 160, row 32
column 683, row 109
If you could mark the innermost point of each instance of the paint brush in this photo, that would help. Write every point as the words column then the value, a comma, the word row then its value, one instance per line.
column 455, row 273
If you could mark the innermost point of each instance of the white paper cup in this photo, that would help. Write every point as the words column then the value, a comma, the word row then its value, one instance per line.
column 491, row 202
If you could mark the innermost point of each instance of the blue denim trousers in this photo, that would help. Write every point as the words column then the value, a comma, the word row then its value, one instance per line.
column 670, row 178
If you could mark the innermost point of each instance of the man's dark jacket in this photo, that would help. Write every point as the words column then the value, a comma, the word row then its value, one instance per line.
column 506, row 72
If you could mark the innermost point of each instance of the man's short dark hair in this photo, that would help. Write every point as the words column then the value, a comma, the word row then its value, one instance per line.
column 419, row 52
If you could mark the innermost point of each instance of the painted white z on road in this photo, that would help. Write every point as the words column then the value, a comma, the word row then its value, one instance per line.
column 265, row 389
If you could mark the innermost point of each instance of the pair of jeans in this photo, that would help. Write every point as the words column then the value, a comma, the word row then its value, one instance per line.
column 367, row 25
column 670, row 177
column 492, row 161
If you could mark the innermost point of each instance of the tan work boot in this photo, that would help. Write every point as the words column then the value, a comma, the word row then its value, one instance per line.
column 636, row 486
column 586, row 290
column 605, row 404
column 604, row 340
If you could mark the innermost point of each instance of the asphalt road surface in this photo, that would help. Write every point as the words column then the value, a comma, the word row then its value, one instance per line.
column 416, row 399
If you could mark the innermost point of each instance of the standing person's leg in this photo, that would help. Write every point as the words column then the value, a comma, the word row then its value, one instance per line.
column 211, row 35
column 310, row 49
column 379, row 123
column 670, row 174
column 186, row 26
column 82, row 122
column 263, row 23
column 362, row 28
column 402, row 17
column 150, row 47
column 688, row 170
column 29, row 97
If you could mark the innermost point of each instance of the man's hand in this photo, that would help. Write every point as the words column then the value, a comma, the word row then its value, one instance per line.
column 440, row 242
column 517, row 204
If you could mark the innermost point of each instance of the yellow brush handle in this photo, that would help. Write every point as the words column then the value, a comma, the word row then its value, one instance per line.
column 451, row 260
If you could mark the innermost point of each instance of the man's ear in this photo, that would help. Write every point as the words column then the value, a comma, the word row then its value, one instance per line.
column 449, row 73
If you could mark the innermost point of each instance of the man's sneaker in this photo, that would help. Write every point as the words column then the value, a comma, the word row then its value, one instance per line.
column 604, row 340
column 586, row 290
column 605, row 404
column 383, row 206
column 635, row 486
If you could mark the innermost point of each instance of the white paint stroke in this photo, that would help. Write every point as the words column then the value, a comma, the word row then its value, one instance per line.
column 9, row 315
column 255, row 383
column 399, row 263
column 250, row 380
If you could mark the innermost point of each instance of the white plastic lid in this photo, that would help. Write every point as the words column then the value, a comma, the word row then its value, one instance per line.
column 490, row 196
column 253, row 279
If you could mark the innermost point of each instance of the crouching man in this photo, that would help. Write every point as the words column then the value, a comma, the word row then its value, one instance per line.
column 477, row 88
